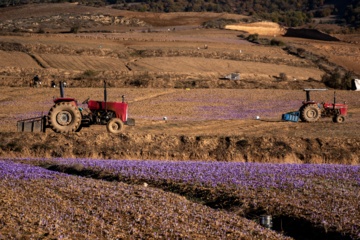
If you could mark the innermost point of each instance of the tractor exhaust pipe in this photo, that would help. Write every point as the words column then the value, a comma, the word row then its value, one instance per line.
column 105, row 96
column 307, row 96
column 62, row 89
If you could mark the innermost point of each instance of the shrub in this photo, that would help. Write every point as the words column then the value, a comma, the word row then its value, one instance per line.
column 41, row 30
column 218, row 23
column 253, row 37
column 89, row 74
column 275, row 42
column 300, row 51
column 338, row 80
column 74, row 29
column 141, row 80
column 283, row 77
column 13, row 146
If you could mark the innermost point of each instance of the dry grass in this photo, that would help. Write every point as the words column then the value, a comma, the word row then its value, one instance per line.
column 261, row 28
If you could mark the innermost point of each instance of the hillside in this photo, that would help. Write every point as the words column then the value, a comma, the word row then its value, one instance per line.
column 287, row 13
column 209, row 156
column 134, row 51
column 83, row 44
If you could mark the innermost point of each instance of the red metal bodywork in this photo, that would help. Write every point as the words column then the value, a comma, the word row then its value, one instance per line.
column 342, row 108
column 119, row 108
column 64, row 99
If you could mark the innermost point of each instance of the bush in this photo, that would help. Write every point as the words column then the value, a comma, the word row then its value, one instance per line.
column 74, row 29
column 13, row 146
column 41, row 30
column 141, row 80
column 138, row 83
column 338, row 80
column 218, row 23
column 275, row 42
column 300, row 51
column 283, row 77
column 253, row 37
column 89, row 74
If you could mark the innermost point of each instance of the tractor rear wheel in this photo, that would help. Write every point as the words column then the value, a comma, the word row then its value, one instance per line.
column 338, row 119
column 301, row 110
column 64, row 117
column 115, row 125
column 310, row 113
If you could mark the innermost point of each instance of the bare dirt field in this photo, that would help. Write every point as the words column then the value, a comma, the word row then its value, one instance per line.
column 168, row 65
column 204, row 124
column 173, row 71
column 161, row 50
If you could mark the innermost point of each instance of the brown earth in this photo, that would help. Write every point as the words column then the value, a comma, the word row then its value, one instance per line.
column 202, row 124
column 152, row 59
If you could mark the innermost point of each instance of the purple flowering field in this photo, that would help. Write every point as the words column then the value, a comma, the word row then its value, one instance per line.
column 37, row 203
column 325, row 196
column 115, row 199
column 224, row 104
column 180, row 106
column 217, row 105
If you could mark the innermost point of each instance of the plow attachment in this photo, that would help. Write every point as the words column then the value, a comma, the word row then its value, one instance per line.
column 37, row 124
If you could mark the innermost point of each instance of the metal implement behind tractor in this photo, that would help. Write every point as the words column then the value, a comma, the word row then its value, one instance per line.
column 66, row 116
column 37, row 124
column 311, row 111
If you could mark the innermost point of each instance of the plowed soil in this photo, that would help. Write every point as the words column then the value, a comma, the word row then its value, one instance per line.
column 201, row 124
column 170, row 67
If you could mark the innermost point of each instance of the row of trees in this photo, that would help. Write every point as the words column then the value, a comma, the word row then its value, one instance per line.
column 352, row 13
column 287, row 12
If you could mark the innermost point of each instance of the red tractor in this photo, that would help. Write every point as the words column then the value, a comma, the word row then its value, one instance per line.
column 66, row 116
column 311, row 111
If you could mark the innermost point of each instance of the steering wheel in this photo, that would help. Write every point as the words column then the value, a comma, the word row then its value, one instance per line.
column 86, row 101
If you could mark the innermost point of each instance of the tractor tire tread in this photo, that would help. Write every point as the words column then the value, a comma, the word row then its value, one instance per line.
column 306, row 109
column 73, row 126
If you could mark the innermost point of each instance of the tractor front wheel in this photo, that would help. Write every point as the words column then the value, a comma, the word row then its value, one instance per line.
column 338, row 119
column 64, row 117
column 115, row 125
column 310, row 113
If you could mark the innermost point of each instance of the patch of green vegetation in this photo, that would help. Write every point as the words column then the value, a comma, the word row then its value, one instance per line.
column 275, row 42
column 13, row 146
column 74, row 29
column 219, row 23
column 89, row 74
column 253, row 38
column 338, row 79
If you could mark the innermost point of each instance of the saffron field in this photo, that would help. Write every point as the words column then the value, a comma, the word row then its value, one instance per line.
column 40, row 204
column 221, row 195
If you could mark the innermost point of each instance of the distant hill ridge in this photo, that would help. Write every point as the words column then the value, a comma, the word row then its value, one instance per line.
column 288, row 13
